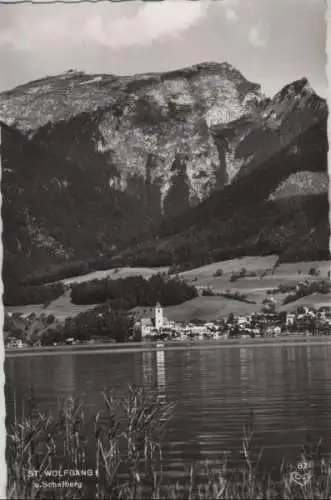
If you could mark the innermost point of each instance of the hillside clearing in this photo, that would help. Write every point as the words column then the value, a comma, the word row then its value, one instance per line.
column 209, row 308
column 254, row 263
column 61, row 308
column 121, row 272
column 315, row 300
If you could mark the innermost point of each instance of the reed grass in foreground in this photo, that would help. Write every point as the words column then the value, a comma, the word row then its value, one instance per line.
column 127, row 462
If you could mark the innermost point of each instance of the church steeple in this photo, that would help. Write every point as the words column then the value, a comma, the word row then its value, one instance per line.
column 158, row 316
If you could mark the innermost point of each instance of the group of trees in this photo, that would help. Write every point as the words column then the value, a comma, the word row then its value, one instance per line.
column 126, row 293
column 269, row 306
column 228, row 294
column 30, row 329
column 148, row 257
column 34, row 294
column 59, row 272
column 313, row 271
column 243, row 273
column 306, row 288
column 102, row 322
column 282, row 288
column 237, row 296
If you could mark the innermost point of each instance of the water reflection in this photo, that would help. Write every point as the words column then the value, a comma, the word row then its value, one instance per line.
column 203, row 368
column 64, row 374
column 147, row 368
column 160, row 373
column 245, row 369
column 291, row 354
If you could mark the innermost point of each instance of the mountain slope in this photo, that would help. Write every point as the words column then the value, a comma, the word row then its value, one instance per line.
column 96, row 163
column 246, row 143
column 250, row 216
column 55, row 211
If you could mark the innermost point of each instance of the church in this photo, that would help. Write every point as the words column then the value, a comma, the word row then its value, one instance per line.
column 148, row 319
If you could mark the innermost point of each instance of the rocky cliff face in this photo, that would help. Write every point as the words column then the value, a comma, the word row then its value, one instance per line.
column 279, row 207
column 208, row 117
column 92, row 160
column 137, row 127
column 271, row 127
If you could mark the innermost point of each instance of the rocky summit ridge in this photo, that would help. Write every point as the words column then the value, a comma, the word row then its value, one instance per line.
column 127, row 121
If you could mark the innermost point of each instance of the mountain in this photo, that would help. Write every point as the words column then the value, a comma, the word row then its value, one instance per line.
column 96, row 163
column 279, row 207
column 138, row 130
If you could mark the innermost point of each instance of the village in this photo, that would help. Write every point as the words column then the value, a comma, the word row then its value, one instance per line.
column 149, row 324
column 153, row 325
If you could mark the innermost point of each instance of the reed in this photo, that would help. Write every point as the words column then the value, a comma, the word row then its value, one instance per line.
column 127, row 463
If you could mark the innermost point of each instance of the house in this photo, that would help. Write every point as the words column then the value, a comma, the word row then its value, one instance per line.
column 323, row 313
column 198, row 331
column 148, row 319
column 290, row 319
column 242, row 320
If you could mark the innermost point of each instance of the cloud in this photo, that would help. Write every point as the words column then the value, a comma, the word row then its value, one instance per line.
column 231, row 15
column 105, row 25
column 153, row 21
column 257, row 36
column 231, row 10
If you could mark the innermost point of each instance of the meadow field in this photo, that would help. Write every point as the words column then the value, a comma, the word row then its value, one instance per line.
column 255, row 288
column 120, row 272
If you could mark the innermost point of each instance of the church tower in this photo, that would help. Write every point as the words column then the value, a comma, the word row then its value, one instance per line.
column 158, row 316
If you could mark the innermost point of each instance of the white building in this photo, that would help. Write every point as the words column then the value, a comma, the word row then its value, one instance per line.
column 290, row 319
column 148, row 319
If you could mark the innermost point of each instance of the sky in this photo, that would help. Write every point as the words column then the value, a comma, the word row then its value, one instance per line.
column 272, row 42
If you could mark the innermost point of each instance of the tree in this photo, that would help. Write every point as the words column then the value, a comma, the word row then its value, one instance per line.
column 282, row 317
column 231, row 318
column 313, row 271
column 122, row 327
column 52, row 335
column 234, row 332
column 50, row 319
column 137, row 337
column 269, row 306
column 243, row 271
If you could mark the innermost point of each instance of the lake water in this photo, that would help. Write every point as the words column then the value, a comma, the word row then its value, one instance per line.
column 288, row 388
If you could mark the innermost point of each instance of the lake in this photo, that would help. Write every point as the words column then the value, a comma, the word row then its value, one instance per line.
column 286, row 387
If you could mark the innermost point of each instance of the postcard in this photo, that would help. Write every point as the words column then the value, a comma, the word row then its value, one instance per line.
column 166, row 263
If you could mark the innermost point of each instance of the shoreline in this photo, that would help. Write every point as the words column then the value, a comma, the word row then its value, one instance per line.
column 107, row 348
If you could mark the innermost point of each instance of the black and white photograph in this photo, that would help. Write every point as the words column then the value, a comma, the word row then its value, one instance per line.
column 166, row 258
